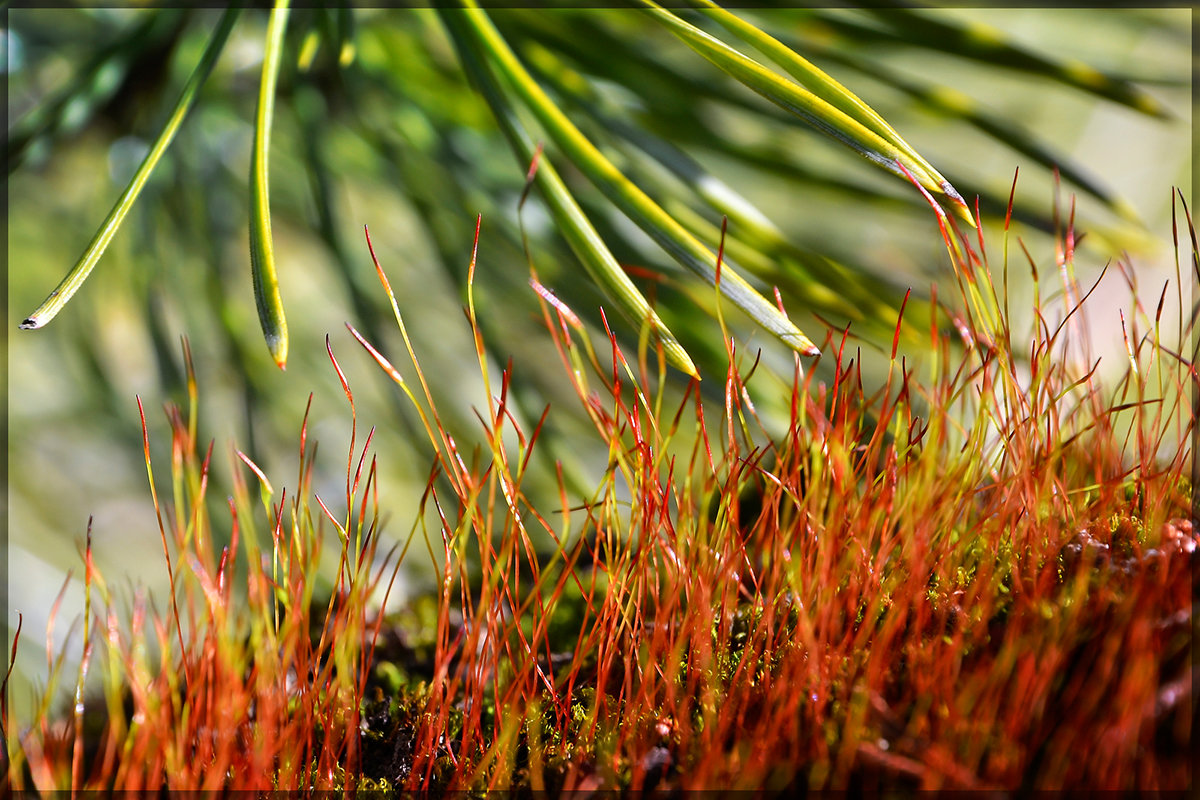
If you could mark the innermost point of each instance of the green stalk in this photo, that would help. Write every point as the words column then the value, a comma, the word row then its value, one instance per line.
column 87, row 262
column 262, row 250
column 574, row 225
column 622, row 192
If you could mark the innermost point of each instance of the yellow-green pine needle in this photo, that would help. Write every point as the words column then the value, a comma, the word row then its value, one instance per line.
column 826, row 88
column 585, row 242
column 87, row 262
column 262, row 251
column 622, row 192
column 889, row 152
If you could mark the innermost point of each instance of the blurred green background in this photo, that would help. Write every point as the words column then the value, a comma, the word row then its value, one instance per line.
column 376, row 125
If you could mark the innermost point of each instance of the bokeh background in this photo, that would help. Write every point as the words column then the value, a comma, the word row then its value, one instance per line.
column 375, row 125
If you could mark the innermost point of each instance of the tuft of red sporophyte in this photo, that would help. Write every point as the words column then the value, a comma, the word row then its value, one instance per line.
column 981, row 579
